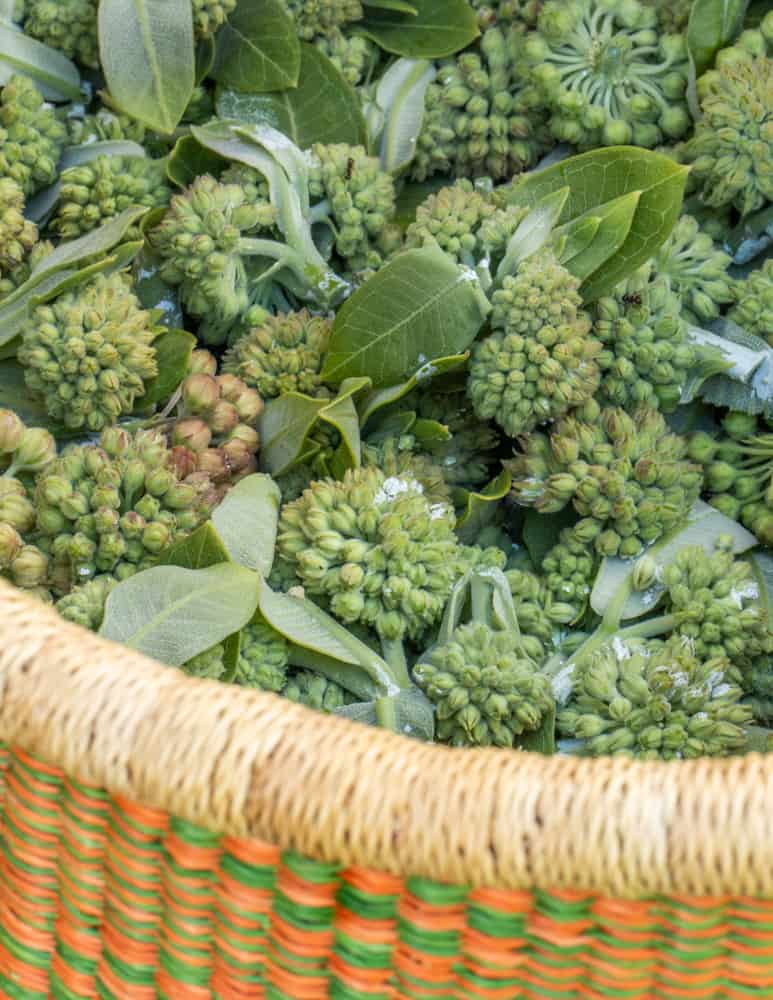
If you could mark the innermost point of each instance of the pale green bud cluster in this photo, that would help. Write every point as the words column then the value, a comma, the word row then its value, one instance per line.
column 672, row 16
column 256, row 192
column 374, row 548
column 263, row 658
column 209, row 664
column 697, row 270
column 521, row 14
column 655, row 700
column 732, row 149
column 217, row 421
column 315, row 691
column 467, row 458
column 89, row 354
column 95, row 192
column 23, row 449
column 67, row 25
column 283, row 353
column 15, row 276
column 353, row 56
column 540, row 614
column 31, row 136
column 17, row 235
column 198, row 241
column 608, row 75
column 569, row 567
column 627, row 475
column 360, row 198
column 400, row 456
column 85, row 604
column 482, row 116
column 322, row 17
column 646, row 355
column 105, row 125
column 465, row 222
column 209, row 15
column 738, row 468
column 485, row 691
column 751, row 44
column 114, row 507
column 539, row 361
column 716, row 600
column 753, row 302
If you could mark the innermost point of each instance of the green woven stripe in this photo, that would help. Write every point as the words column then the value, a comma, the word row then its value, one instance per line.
column 13, row 991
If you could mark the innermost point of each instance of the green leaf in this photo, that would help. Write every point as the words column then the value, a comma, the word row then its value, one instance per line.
column 173, row 354
column 399, row 109
column 257, row 49
column 748, row 385
column 375, row 400
column 14, row 395
column 438, row 28
column 541, row 531
column 762, row 564
column 284, row 426
column 350, row 676
column 246, row 521
column 306, row 626
column 202, row 548
column 205, row 59
column 322, row 108
column 612, row 225
column 542, row 740
column 153, row 292
column 98, row 241
column 412, row 195
column 148, row 58
column 712, row 25
column 172, row 614
column 231, row 649
column 480, row 508
column 418, row 306
column 399, row 5
column 601, row 176
column 189, row 159
column 703, row 527
column 758, row 740
column 56, row 77
column 410, row 711
column 533, row 232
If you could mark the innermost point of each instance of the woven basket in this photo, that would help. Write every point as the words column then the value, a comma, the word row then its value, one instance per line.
column 174, row 838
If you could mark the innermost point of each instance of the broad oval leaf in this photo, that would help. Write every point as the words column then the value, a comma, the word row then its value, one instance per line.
column 173, row 353
column 323, row 107
column 601, row 176
column 419, row 306
column 56, row 77
column 257, row 49
column 148, row 58
column 438, row 28
column 409, row 713
column 703, row 527
column 172, row 614
column 377, row 399
column 246, row 521
column 712, row 25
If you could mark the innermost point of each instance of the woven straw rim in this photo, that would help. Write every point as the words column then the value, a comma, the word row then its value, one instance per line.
column 250, row 764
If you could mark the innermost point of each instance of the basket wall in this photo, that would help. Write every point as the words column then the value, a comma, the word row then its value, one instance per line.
column 165, row 837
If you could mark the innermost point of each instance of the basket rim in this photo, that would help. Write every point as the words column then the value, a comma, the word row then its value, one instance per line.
column 355, row 795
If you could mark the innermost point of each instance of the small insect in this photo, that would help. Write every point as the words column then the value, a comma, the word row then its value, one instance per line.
column 632, row 299
column 349, row 168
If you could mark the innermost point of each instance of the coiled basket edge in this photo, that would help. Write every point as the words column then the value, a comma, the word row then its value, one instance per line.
column 167, row 837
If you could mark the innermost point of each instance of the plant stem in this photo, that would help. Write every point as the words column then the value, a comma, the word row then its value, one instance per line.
column 394, row 654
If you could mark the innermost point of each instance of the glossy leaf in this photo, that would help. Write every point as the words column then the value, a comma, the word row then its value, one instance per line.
column 246, row 521
column 15, row 395
column 480, row 508
column 148, row 58
column 601, row 176
column 703, row 527
column 419, row 306
column 323, row 107
column 284, row 426
column 712, row 25
column 309, row 627
column 375, row 400
column 173, row 354
column 257, row 49
column 541, row 531
column 172, row 614
column 438, row 28
column 153, row 292
column 56, row 77
column 611, row 224
column 189, row 159
column 202, row 548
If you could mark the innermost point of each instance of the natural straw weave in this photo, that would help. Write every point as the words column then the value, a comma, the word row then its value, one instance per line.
column 276, row 852
column 249, row 764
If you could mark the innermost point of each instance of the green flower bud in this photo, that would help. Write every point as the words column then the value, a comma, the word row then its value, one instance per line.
column 35, row 450
column 29, row 567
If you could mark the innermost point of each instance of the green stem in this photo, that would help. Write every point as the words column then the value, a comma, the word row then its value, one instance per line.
column 393, row 653
column 386, row 716
column 480, row 596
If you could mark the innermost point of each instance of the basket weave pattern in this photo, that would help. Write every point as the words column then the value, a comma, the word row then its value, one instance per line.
column 158, row 832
